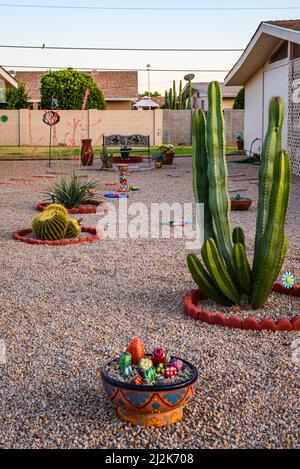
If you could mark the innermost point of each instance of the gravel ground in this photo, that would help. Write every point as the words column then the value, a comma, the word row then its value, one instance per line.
column 66, row 311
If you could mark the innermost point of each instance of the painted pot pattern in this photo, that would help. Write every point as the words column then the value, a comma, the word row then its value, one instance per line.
column 149, row 406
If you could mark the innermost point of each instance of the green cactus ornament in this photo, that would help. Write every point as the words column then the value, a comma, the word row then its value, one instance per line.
column 226, row 274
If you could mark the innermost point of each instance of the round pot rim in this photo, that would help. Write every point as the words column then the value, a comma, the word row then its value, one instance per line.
column 134, row 387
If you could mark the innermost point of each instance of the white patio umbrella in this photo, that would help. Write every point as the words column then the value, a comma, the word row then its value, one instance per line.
column 146, row 103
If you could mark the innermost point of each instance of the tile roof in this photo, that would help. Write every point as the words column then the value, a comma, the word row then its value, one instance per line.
column 122, row 85
column 227, row 91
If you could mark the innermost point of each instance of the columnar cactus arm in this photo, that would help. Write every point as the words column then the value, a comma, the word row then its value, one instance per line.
column 271, row 149
column 242, row 268
column 218, row 271
column 273, row 242
column 283, row 254
column 219, row 200
column 200, row 178
column 238, row 236
column 204, row 281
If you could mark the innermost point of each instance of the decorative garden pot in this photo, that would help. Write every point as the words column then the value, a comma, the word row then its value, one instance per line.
column 125, row 153
column 87, row 155
column 240, row 145
column 158, row 164
column 169, row 157
column 150, row 406
column 241, row 204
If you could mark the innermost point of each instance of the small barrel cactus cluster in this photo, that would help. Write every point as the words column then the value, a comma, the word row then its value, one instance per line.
column 54, row 224
column 226, row 275
column 142, row 369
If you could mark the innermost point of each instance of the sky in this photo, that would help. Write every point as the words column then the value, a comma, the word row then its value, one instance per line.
column 149, row 29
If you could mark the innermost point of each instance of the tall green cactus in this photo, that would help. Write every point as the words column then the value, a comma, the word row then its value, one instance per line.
column 219, row 200
column 200, row 176
column 229, row 275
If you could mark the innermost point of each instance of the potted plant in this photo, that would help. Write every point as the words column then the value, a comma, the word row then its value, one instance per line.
column 87, row 154
column 125, row 151
column 239, row 202
column 167, row 151
column 158, row 158
column 240, row 141
column 149, row 389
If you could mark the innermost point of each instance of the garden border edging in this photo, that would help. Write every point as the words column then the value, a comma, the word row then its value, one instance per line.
column 20, row 235
column 236, row 322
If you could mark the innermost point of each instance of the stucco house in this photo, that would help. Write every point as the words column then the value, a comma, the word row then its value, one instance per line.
column 270, row 66
column 200, row 95
column 6, row 81
column 120, row 89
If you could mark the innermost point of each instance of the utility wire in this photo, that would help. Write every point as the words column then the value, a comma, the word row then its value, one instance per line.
column 117, row 69
column 82, row 7
column 17, row 46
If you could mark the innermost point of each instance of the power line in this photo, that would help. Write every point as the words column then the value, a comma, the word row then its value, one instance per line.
column 17, row 46
column 82, row 7
column 117, row 69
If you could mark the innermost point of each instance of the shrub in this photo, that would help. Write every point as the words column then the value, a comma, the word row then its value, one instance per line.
column 16, row 98
column 69, row 88
column 239, row 102
column 71, row 191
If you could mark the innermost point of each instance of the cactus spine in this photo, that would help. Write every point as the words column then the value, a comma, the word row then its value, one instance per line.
column 57, row 208
column 228, row 273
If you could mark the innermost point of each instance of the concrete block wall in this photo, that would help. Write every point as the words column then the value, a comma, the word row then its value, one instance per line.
column 26, row 128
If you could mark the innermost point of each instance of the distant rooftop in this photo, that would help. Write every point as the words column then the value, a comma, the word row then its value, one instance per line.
column 288, row 24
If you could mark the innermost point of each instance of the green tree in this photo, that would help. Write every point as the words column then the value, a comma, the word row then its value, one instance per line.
column 69, row 88
column 239, row 102
column 153, row 94
column 16, row 98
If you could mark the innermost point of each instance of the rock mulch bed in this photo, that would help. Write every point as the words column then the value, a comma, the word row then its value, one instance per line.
column 66, row 312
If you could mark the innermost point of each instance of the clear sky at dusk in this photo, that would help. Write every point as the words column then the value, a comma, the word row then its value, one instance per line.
column 158, row 29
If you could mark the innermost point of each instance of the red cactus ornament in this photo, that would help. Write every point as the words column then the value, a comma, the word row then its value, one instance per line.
column 137, row 350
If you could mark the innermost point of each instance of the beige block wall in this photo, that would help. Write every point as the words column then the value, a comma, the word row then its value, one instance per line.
column 9, row 131
column 26, row 127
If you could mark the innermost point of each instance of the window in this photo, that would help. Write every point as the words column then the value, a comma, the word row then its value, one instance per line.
column 281, row 53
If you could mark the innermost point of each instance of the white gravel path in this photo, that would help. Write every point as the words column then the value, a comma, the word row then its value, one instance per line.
column 66, row 311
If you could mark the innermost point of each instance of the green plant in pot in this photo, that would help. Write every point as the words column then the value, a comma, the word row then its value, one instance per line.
column 72, row 191
column 240, row 141
column 225, row 274
column 125, row 151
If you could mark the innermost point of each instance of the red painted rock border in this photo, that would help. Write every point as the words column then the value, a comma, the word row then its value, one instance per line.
column 82, row 210
column 251, row 323
column 21, row 235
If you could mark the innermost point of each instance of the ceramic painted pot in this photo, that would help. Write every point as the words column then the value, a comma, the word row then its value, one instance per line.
column 150, row 406
column 242, row 204
column 86, row 155
column 168, row 157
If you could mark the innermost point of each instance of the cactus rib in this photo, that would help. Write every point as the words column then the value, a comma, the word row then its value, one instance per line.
column 204, row 281
column 218, row 271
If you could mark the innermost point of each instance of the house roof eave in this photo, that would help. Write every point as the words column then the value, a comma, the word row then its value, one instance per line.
column 7, row 76
column 266, row 38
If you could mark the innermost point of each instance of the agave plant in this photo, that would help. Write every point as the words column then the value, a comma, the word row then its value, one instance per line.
column 226, row 274
column 72, row 191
